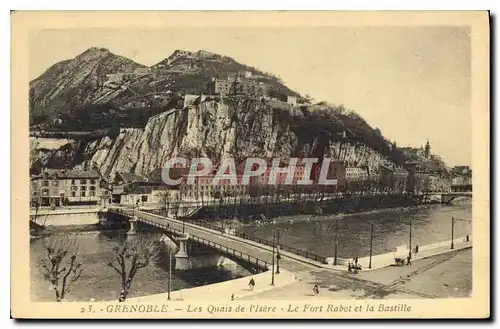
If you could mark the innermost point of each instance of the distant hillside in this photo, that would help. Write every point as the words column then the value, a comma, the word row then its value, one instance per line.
column 72, row 84
column 108, row 105
column 99, row 89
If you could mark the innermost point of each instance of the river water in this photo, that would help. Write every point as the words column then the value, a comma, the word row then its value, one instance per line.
column 316, row 234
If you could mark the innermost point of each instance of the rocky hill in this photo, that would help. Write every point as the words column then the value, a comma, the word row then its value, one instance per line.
column 116, row 115
column 72, row 84
column 99, row 89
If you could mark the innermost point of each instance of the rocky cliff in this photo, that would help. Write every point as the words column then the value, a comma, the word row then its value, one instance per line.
column 117, row 115
column 216, row 129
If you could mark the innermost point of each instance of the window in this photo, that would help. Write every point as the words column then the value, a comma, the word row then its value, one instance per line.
column 74, row 188
column 83, row 181
column 144, row 198
column 73, row 193
column 73, row 182
column 82, row 193
column 92, row 191
column 92, row 181
column 45, row 192
column 55, row 183
column 45, row 183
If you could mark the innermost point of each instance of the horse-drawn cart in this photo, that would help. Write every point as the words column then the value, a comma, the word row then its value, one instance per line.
column 399, row 261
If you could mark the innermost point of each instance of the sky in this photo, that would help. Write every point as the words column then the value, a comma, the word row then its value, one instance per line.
column 413, row 82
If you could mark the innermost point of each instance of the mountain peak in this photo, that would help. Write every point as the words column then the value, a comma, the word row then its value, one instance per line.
column 96, row 50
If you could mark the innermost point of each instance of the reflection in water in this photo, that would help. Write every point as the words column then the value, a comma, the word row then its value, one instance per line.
column 391, row 229
column 100, row 282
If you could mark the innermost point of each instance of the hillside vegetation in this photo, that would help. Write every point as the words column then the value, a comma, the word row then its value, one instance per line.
column 98, row 93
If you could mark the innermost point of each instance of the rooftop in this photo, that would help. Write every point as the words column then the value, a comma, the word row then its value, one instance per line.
column 67, row 174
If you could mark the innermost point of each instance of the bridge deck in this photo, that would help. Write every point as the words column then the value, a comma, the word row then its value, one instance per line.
column 242, row 248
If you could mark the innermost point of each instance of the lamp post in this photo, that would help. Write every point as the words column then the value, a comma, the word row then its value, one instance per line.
column 169, row 272
column 272, row 269
column 184, row 221
column 371, row 246
column 453, row 219
column 336, row 240
column 410, row 235
column 135, row 206
column 452, row 229
column 278, row 256
column 221, row 217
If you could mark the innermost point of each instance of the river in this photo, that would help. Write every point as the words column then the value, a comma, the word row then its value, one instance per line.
column 316, row 234
column 100, row 282
column 313, row 234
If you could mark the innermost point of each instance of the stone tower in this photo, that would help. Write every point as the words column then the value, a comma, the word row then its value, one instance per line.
column 427, row 150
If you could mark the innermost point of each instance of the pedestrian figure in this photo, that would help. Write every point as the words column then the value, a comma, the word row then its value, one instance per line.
column 408, row 260
column 356, row 261
column 467, row 238
column 316, row 289
column 251, row 284
column 349, row 267
column 416, row 249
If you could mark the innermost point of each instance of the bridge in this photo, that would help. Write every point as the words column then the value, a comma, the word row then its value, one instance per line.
column 244, row 251
column 450, row 196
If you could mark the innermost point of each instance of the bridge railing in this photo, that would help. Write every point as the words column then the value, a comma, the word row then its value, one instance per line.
column 293, row 250
column 230, row 251
column 224, row 249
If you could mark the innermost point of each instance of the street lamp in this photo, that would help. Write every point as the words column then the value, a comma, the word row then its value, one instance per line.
column 410, row 234
column 278, row 256
column 184, row 213
column 371, row 246
column 411, row 224
column 272, row 269
column 169, row 272
column 336, row 239
column 221, row 217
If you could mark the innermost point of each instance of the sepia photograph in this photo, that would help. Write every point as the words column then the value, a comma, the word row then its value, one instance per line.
column 243, row 164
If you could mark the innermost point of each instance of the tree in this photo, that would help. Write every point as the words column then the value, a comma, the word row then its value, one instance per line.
column 130, row 256
column 165, row 200
column 60, row 267
column 176, row 205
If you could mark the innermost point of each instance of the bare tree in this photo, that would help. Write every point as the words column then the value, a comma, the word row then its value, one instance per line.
column 176, row 203
column 165, row 200
column 36, row 203
column 130, row 256
column 60, row 267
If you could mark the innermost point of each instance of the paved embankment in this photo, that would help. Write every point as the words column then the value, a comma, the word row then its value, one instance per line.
column 224, row 290
column 70, row 216
column 387, row 259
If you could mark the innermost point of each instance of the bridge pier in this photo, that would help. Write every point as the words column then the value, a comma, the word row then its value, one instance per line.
column 181, row 257
column 133, row 226
column 186, row 259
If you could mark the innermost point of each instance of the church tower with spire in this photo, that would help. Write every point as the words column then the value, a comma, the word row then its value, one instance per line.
column 427, row 150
